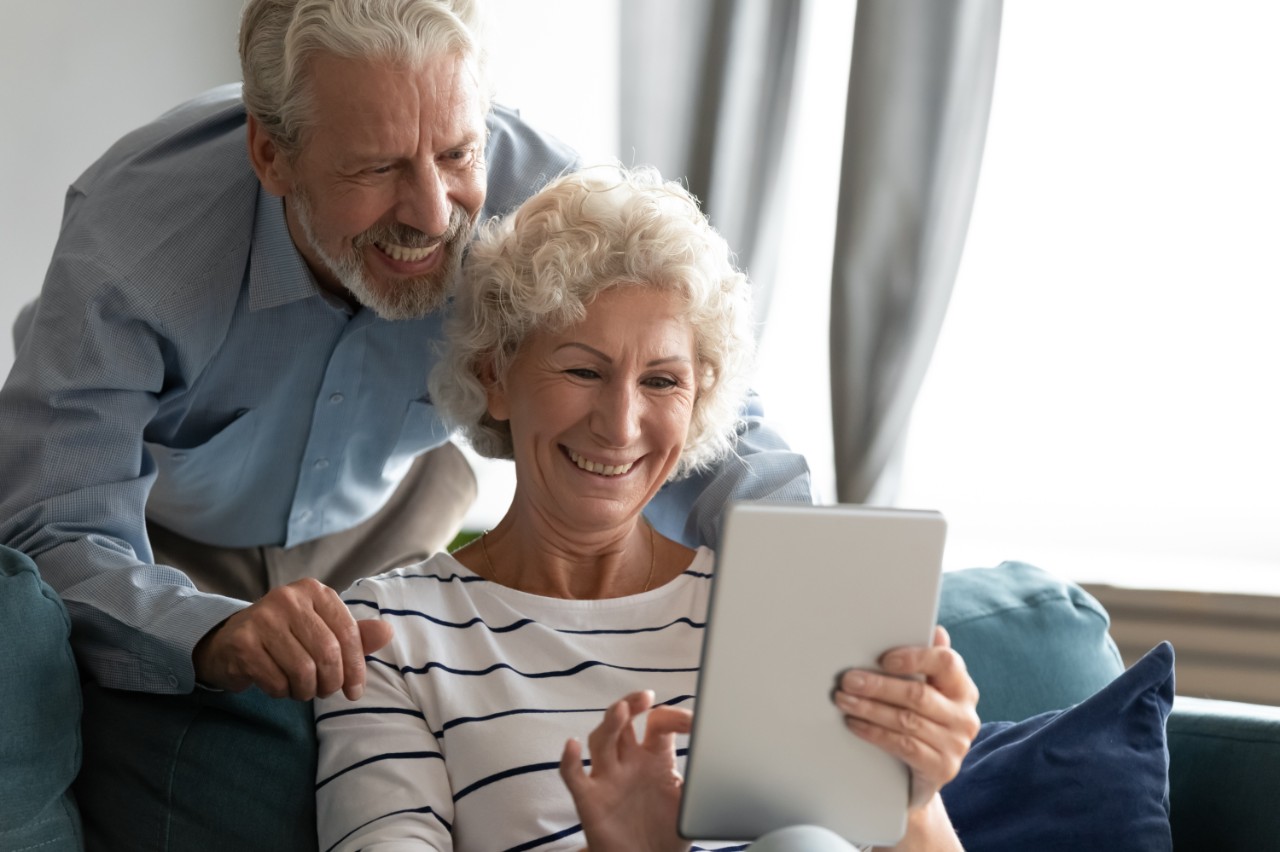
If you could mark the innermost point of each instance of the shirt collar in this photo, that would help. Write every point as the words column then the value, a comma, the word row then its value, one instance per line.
column 277, row 273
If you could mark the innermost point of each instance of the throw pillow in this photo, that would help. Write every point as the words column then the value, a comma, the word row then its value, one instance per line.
column 1093, row 776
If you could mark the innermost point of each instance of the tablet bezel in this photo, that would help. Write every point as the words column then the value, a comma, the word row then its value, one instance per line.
column 756, row 764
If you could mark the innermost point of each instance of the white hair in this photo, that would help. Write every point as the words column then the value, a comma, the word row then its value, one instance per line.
column 278, row 37
column 540, row 267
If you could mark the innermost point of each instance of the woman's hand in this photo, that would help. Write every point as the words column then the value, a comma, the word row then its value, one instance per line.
column 928, row 724
column 630, row 799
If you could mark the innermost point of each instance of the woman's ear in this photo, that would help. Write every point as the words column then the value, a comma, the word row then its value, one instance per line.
column 495, row 390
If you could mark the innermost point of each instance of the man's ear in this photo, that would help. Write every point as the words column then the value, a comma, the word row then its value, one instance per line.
column 269, row 162
column 495, row 390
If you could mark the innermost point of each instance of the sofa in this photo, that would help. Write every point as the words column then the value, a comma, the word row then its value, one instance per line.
column 81, row 767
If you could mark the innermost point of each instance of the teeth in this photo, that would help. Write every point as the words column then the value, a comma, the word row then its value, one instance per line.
column 596, row 467
column 406, row 254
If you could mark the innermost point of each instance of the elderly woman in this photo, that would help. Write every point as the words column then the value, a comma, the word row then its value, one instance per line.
column 601, row 339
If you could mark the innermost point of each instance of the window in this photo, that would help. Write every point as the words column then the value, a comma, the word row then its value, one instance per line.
column 1101, row 398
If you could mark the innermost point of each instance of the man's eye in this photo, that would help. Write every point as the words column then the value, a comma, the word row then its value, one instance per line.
column 380, row 170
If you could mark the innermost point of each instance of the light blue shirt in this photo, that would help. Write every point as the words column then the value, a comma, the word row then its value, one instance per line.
column 182, row 365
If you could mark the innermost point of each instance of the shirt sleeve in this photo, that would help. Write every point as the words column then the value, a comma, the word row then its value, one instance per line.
column 381, row 781
column 761, row 467
column 86, row 380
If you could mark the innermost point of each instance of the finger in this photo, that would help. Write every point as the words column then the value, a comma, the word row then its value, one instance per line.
column 638, row 705
column 664, row 723
column 338, row 647
column 930, row 767
column 939, row 664
column 571, row 770
column 374, row 634
column 898, row 720
column 914, row 701
column 603, row 741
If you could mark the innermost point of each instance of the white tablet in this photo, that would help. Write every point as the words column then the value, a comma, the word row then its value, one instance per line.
column 800, row 594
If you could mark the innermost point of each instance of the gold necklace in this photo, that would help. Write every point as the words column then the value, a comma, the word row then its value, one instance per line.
column 653, row 557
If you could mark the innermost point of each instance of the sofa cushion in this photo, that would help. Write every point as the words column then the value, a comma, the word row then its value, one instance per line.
column 204, row 772
column 1093, row 776
column 39, row 713
column 1032, row 642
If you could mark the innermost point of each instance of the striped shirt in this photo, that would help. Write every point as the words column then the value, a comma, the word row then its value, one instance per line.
column 456, row 743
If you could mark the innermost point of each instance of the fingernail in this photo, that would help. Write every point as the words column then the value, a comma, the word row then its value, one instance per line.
column 855, row 681
column 895, row 662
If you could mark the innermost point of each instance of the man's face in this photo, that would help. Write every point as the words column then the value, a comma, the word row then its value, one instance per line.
column 382, row 198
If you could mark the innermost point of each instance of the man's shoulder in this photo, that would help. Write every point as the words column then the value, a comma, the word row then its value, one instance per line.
column 181, row 139
column 176, row 196
column 521, row 159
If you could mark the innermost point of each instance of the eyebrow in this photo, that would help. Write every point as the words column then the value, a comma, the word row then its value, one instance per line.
column 603, row 357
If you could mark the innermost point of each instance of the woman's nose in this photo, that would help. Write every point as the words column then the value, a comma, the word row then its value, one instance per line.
column 616, row 420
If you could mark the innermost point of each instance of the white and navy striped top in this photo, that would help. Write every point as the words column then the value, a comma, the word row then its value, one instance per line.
column 456, row 743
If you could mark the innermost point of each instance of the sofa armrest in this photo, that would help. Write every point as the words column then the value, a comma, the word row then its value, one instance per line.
column 1224, row 770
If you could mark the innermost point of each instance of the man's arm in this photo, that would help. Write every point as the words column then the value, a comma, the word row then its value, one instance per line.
column 762, row 467
column 83, row 387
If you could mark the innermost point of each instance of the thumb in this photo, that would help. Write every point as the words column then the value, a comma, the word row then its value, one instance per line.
column 374, row 634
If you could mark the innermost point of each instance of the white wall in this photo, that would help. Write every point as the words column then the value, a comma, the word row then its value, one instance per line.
column 74, row 76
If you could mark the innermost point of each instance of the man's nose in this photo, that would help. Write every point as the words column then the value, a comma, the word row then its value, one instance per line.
column 616, row 420
column 424, row 202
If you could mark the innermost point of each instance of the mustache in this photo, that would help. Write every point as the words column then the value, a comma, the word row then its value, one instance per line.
column 410, row 237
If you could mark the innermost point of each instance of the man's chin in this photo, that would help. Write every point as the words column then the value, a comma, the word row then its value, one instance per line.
column 404, row 299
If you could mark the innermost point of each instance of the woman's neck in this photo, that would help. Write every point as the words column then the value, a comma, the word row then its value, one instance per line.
column 534, row 554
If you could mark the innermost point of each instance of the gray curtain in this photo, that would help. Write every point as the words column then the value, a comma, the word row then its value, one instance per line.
column 706, row 97
column 920, row 87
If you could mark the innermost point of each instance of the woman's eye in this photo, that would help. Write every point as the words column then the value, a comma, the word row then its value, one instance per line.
column 661, row 382
column 583, row 373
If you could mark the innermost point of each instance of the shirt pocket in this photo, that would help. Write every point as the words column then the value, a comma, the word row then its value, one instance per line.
column 193, row 482
column 422, row 429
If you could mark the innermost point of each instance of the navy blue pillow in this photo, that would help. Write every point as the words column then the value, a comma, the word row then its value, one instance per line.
column 1093, row 776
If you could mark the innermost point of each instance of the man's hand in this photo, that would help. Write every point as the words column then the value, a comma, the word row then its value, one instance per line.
column 630, row 798
column 299, row 641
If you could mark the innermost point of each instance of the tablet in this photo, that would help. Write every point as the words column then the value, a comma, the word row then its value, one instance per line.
column 801, row 593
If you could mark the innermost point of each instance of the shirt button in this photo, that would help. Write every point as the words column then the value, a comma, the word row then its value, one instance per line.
column 304, row 514
column 321, row 464
column 178, row 456
column 336, row 398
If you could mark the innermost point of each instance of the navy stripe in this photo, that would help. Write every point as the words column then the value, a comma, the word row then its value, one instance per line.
column 464, row 720
column 699, row 625
column 406, row 670
column 395, row 755
column 543, row 841
column 425, row 809
column 516, row 625
column 528, row 769
column 359, row 711
column 505, row 774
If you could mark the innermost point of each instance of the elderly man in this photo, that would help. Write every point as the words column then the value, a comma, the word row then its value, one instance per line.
column 218, row 410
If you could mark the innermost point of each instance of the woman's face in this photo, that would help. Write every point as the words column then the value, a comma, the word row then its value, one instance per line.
column 600, row 411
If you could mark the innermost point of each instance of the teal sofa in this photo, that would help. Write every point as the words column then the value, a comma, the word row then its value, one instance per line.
column 216, row 771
